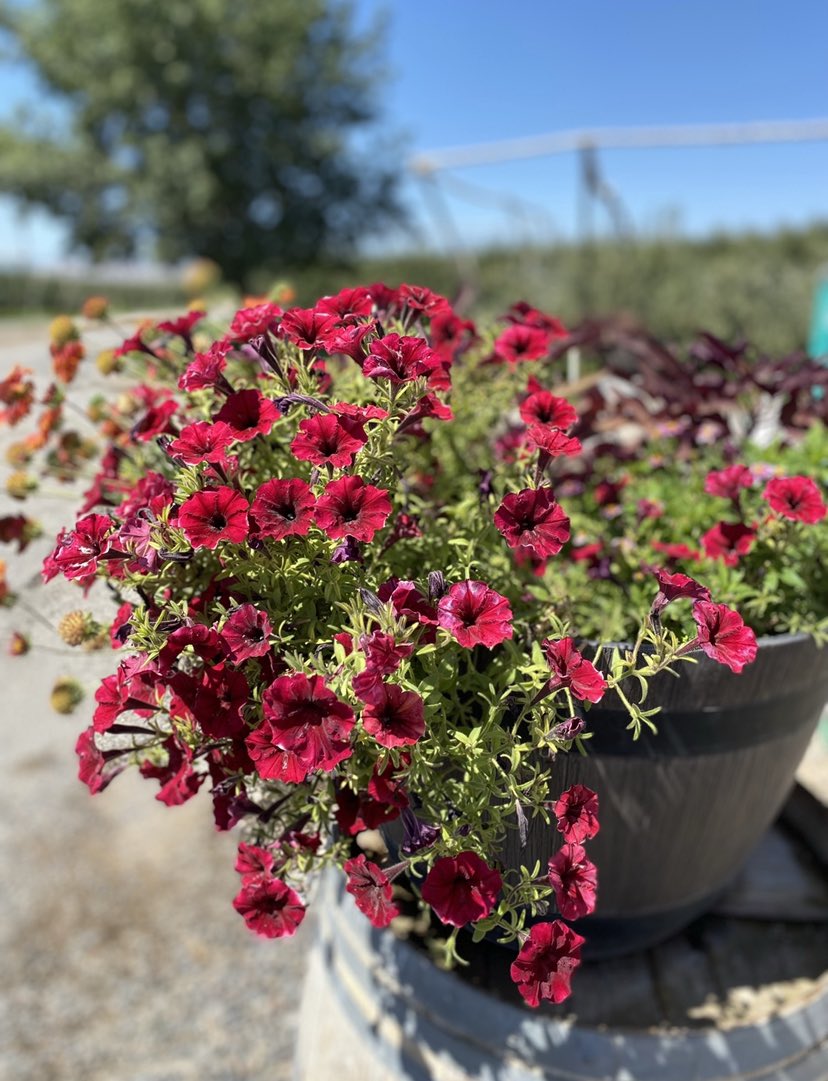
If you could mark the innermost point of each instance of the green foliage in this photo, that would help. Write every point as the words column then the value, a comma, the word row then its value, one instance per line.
column 207, row 130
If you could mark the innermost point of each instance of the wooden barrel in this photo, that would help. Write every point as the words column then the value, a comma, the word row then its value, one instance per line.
column 376, row 1009
column 681, row 810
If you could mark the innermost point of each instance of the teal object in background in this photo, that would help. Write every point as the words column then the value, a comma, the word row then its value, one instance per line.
column 818, row 339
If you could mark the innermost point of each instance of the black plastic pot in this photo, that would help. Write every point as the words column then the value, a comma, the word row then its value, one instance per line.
column 681, row 810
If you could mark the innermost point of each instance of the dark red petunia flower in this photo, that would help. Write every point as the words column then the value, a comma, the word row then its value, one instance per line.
column 327, row 439
column 519, row 342
column 400, row 359
column 348, row 304
column 461, row 889
column 307, row 328
column 450, row 335
column 251, row 322
column 204, row 642
column 216, row 699
column 371, row 889
column 179, row 781
column 183, row 325
column 552, row 442
column 394, row 717
column 214, row 515
column 202, row 442
column 408, row 601
column 525, row 314
column 728, row 541
column 724, row 636
column 533, row 522
column 205, row 369
column 474, row 614
column 155, row 422
column 123, row 690
column 95, row 771
column 571, row 670
column 728, row 483
column 797, row 498
column 674, row 587
column 253, row 860
column 676, row 551
column 350, row 340
column 351, row 508
column 248, row 413
column 420, row 299
column 78, row 550
column 283, row 508
column 544, row 408
column 269, row 906
column 574, row 878
column 383, row 653
column 121, row 627
column 577, row 813
column 356, row 812
column 246, row 633
column 546, row 961
column 305, row 719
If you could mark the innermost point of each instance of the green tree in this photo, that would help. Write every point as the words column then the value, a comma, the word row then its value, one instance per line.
column 201, row 127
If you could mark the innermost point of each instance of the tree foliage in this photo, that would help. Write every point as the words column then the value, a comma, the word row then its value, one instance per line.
column 200, row 128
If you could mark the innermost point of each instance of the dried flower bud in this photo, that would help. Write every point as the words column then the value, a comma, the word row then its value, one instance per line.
column 19, row 484
column 436, row 585
column 66, row 696
column 62, row 330
column 78, row 627
column 106, row 362
column 95, row 307
column 18, row 644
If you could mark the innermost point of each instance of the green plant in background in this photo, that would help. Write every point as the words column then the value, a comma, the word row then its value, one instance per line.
column 185, row 132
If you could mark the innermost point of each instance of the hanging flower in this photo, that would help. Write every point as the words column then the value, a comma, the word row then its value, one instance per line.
column 475, row 615
column 577, row 814
column 269, row 906
column 723, row 635
column 461, row 889
column 570, row 670
column 673, row 587
column 546, row 961
column 371, row 889
column 574, row 879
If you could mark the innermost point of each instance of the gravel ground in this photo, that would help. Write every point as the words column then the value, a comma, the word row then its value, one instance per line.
column 122, row 957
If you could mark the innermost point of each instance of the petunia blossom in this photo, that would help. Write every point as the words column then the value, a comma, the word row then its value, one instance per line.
column 269, row 906
column 796, row 498
column 533, row 522
column 723, row 635
column 474, row 614
column 246, row 633
column 282, row 508
column 214, row 515
column 393, row 716
column 576, row 811
column 546, row 961
column 574, row 879
column 371, row 889
column 461, row 889
column 327, row 439
column 572, row 671
column 351, row 508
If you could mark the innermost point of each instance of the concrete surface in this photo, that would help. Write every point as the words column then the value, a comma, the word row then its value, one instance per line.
column 121, row 957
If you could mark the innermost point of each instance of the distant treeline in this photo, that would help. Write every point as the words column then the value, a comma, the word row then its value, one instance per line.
column 759, row 286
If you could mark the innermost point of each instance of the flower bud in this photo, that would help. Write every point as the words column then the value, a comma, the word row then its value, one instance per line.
column 78, row 627
column 106, row 362
column 19, row 484
column 66, row 696
column 62, row 330
column 95, row 307
column 18, row 644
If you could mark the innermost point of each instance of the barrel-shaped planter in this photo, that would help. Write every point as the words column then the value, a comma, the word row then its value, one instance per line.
column 682, row 809
column 376, row 1009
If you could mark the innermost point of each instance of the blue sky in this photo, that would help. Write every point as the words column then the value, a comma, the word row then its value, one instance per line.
column 462, row 72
